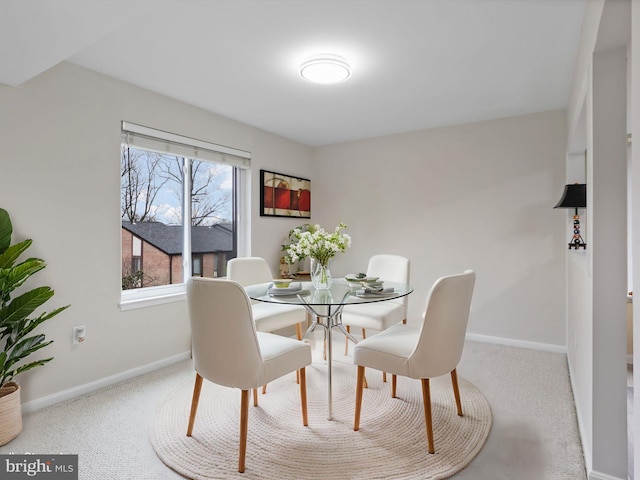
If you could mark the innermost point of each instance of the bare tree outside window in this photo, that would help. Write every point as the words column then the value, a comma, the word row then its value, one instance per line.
column 141, row 180
column 210, row 201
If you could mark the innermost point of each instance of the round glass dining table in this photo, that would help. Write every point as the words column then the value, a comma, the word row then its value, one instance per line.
column 325, row 308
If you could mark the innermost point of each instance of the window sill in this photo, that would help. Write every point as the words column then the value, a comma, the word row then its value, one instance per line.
column 132, row 300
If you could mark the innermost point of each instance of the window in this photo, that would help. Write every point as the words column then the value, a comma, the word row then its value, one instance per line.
column 179, row 209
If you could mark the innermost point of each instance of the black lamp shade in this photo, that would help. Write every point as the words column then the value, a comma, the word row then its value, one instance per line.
column 574, row 196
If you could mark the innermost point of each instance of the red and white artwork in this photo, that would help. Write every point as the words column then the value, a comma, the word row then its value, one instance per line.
column 284, row 195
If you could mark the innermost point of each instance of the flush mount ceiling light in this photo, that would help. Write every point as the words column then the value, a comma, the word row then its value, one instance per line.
column 325, row 69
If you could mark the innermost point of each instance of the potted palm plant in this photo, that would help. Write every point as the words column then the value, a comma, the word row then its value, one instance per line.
column 17, row 337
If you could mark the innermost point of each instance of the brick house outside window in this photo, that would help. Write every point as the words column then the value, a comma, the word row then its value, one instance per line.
column 155, row 249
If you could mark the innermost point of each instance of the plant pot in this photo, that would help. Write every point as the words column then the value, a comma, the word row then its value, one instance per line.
column 10, row 412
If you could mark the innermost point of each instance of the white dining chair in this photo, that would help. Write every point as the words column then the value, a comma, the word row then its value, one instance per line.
column 428, row 350
column 380, row 315
column 268, row 316
column 228, row 351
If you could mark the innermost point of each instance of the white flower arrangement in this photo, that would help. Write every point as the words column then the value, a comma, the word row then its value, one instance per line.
column 315, row 242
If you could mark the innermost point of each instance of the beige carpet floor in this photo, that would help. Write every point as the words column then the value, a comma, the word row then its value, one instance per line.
column 391, row 442
column 534, row 435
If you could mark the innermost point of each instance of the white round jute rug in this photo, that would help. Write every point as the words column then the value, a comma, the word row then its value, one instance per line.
column 391, row 442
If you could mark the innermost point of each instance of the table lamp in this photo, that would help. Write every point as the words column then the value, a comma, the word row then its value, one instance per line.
column 575, row 196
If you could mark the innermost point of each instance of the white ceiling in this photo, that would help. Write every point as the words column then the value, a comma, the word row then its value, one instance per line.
column 415, row 64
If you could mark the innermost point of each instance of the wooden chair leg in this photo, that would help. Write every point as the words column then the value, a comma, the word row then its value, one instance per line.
column 346, row 342
column 394, row 380
column 197, row 387
column 303, row 395
column 255, row 397
column 456, row 391
column 359, row 386
column 299, row 336
column 426, row 398
column 384, row 377
column 264, row 389
column 299, row 331
column 244, row 424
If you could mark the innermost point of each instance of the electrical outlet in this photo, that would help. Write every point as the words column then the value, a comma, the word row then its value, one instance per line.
column 78, row 334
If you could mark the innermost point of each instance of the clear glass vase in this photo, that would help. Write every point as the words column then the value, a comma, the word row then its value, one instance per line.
column 321, row 274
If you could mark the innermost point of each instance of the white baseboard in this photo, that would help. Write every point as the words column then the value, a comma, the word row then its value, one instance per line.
column 593, row 475
column 511, row 342
column 102, row 382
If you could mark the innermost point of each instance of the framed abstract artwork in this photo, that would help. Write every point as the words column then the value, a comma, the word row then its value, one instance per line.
column 284, row 195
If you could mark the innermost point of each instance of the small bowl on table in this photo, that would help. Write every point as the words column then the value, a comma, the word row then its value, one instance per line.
column 281, row 282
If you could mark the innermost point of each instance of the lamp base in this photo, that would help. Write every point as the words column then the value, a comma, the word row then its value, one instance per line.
column 577, row 241
column 577, row 244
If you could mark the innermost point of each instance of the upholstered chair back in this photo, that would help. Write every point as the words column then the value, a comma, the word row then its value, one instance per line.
column 249, row 270
column 444, row 326
column 392, row 268
column 225, row 348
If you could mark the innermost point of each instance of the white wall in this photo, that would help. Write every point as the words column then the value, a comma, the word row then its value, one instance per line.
column 597, row 279
column 59, row 180
column 477, row 196
column 607, row 213
column 634, row 129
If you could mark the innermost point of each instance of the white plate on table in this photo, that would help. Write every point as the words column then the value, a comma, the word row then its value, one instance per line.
column 352, row 278
column 293, row 289
column 374, row 295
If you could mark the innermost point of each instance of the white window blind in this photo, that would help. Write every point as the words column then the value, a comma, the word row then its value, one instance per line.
column 173, row 144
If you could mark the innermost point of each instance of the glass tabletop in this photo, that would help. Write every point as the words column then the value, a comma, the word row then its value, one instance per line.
column 340, row 293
